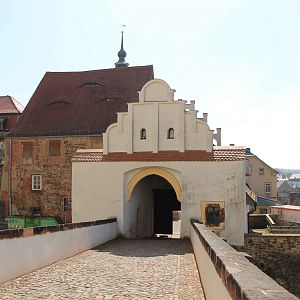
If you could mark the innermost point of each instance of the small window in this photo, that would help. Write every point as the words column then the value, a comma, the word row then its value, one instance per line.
column 66, row 203
column 27, row 149
column 36, row 211
column 171, row 133
column 54, row 148
column 263, row 211
column 268, row 188
column 248, row 169
column 261, row 171
column 3, row 123
column 36, row 182
column 143, row 134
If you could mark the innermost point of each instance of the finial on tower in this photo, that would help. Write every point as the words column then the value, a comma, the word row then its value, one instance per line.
column 122, row 54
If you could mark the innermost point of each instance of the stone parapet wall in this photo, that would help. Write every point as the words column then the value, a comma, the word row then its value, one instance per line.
column 278, row 255
column 25, row 232
column 228, row 274
column 29, row 249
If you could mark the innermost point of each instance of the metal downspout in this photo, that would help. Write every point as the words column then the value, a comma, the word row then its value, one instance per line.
column 9, row 178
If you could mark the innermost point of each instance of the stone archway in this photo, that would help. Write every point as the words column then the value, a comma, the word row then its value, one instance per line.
column 154, row 197
column 159, row 172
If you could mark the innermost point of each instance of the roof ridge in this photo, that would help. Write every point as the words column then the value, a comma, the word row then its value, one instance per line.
column 95, row 70
column 229, row 147
column 15, row 106
column 14, row 101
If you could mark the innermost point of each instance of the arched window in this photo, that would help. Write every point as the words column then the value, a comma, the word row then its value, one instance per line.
column 143, row 134
column 171, row 133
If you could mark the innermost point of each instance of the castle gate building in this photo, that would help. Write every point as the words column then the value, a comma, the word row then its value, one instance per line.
column 159, row 158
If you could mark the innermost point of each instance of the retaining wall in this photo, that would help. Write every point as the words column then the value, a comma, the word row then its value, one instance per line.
column 278, row 255
column 26, row 250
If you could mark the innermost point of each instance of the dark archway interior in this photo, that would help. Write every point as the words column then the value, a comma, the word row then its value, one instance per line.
column 152, row 206
column 165, row 202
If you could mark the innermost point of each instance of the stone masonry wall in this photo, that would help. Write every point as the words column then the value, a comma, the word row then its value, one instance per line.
column 278, row 256
column 56, row 174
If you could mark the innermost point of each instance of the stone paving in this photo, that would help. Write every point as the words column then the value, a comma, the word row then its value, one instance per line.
column 121, row 269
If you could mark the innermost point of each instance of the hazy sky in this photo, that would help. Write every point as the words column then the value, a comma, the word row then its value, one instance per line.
column 240, row 60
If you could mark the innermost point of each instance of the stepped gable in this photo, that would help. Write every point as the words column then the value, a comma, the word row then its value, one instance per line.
column 218, row 154
column 81, row 103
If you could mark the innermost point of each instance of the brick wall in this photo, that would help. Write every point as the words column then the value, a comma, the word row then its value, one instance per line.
column 56, row 174
column 278, row 256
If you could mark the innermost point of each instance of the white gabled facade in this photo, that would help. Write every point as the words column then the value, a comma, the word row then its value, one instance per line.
column 157, row 113
column 161, row 145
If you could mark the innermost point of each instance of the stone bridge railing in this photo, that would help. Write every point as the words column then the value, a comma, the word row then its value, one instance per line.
column 29, row 249
column 228, row 274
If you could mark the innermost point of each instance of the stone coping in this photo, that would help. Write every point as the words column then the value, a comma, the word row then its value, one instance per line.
column 242, row 279
column 271, row 235
column 25, row 232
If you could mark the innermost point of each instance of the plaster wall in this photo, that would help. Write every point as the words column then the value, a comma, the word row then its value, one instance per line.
column 157, row 118
column 100, row 190
column 142, row 118
column 211, row 282
column 139, row 211
column 257, row 181
column 27, row 254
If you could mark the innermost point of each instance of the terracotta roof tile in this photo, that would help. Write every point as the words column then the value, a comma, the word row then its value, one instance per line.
column 219, row 154
column 80, row 103
column 9, row 105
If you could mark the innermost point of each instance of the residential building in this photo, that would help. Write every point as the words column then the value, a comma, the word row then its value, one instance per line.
column 159, row 158
column 294, row 181
column 68, row 111
column 260, row 177
column 284, row 191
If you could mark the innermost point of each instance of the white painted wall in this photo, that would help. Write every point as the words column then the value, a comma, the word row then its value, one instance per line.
column 99, row 191
column 22, row 255
column 156, row 112
column 141, row 198
column 212, row 284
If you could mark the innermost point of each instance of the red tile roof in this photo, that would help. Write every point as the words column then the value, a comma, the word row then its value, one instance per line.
column 218, row 154
column 287, row 207
column 9, row 105
column 81, row 102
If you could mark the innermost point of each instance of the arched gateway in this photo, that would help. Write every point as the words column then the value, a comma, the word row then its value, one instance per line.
column 156, row 171
column 154, row 196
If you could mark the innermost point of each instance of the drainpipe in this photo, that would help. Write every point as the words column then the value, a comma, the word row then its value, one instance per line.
column 9, row 178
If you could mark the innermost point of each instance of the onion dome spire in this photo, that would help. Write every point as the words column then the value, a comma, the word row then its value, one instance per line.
column 122, row 54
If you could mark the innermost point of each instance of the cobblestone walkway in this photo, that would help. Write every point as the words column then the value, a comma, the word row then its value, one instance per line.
column 120, row 269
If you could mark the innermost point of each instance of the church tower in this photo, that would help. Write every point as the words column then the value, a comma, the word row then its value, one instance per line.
column 122, row 54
